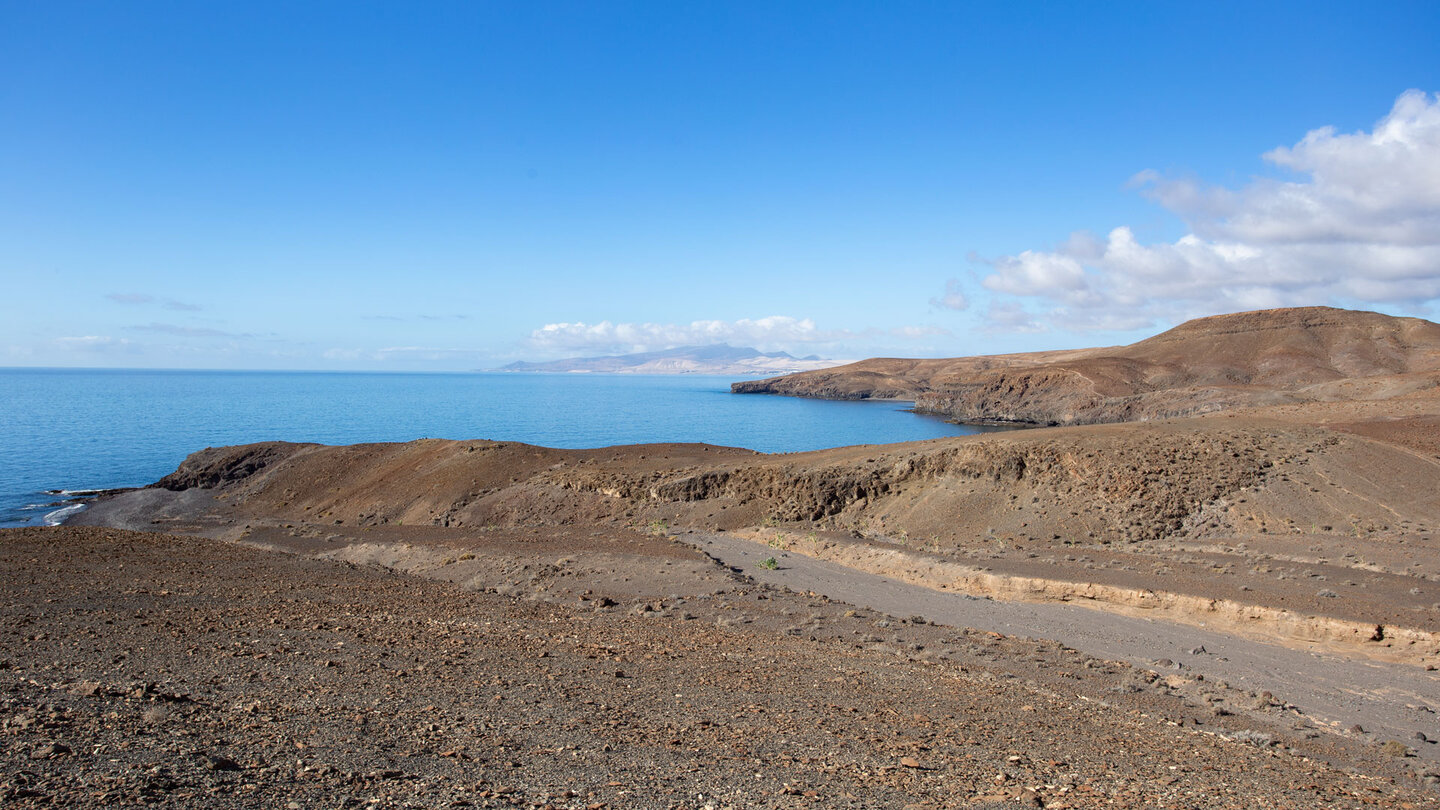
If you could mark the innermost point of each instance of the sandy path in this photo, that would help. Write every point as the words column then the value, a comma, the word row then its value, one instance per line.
column 1390, row 701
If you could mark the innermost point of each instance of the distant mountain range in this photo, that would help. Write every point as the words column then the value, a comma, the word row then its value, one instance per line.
column 717, row 359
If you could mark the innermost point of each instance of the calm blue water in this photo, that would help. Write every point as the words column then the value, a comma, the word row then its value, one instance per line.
column 64, row 429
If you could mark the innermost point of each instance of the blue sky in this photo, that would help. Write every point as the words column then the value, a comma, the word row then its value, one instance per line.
column 423, row 186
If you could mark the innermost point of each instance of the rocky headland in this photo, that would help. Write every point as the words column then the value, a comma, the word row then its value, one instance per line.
column 1250, row 359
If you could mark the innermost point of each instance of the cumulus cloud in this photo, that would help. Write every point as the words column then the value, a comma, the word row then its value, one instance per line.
column 1010, row 316
column 953, row 297
column 1359, row 223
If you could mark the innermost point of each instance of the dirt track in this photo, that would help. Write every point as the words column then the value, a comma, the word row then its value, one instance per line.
column 1389, row 701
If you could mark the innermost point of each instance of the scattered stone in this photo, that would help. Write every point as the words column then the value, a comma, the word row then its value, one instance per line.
column 50, row 751
column 87, row 688
column 214, row 762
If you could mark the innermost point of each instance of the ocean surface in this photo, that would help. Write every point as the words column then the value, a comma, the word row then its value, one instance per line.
column 65, row 431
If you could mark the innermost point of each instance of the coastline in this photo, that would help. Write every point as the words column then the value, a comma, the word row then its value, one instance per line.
column 74, row 434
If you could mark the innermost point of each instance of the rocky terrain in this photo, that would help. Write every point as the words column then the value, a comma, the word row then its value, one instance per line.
column 1269, row 357
column 145, row 669
column 1237, row 608
column 1258, row 517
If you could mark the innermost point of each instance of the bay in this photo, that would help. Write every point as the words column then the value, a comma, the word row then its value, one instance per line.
column 85, row 429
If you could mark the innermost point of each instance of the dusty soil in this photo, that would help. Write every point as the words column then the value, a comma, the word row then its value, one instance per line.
column 173, row 671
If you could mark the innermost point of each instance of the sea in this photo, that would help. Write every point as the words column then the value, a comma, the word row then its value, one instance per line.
column 66, row 433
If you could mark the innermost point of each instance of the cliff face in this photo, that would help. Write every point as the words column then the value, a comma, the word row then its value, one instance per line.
column 1227, row 361
column 1141, row 486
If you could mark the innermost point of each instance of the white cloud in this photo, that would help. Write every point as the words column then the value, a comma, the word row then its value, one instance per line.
column 777, row 332
column 953, row 297
column 1360, row 224
column 640, row 337
column 1010, row 316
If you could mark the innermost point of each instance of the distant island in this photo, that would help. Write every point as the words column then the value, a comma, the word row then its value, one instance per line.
column 717, row 359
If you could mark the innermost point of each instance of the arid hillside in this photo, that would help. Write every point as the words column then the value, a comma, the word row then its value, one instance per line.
column 1268, row 357
column 1248, row 509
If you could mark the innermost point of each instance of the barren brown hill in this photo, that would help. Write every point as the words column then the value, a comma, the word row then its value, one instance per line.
column 1255, row 499
column 1268, row 357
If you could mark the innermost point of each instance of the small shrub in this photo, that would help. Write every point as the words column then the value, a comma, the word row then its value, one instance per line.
column 769, row 563
column 1259, row 739
column 1395, row 748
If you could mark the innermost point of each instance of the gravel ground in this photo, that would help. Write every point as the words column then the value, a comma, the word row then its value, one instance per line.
column 168, row 671
column 1385, row 701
